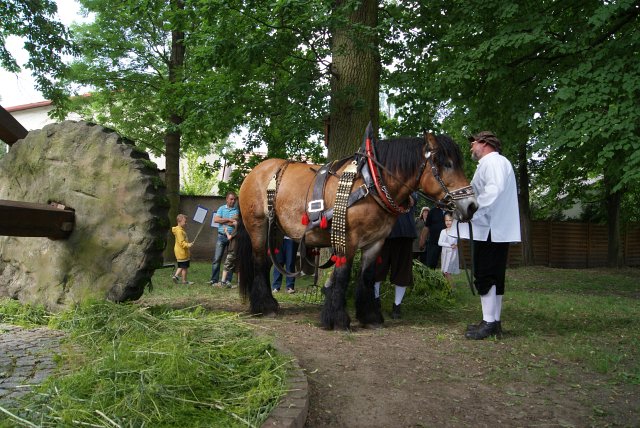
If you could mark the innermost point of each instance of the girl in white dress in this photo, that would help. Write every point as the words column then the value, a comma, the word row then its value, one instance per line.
column 449, row 258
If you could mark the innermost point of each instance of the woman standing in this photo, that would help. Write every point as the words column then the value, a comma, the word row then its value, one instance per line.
column 419, row 244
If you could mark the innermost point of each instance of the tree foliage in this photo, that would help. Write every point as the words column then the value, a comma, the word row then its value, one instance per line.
column 248, row 66
column 46, row 40
column 194, row 178
column 557, row 79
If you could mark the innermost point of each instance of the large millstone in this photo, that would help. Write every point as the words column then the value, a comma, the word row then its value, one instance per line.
column 120, row 210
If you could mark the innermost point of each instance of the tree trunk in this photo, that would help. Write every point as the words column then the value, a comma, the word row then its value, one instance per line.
column 355, row 79
column 525, row 206
column 173, row 135
column 613, row 201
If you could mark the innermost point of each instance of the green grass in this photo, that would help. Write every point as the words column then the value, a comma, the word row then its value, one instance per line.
column 585, row 321
column 164, row 291
column 13, row 312
column 167, row 360
column 128, row 365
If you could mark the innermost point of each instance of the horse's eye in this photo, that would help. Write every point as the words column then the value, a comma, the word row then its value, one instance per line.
column 448, row 164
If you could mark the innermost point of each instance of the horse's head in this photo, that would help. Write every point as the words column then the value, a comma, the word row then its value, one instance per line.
column 443, row 176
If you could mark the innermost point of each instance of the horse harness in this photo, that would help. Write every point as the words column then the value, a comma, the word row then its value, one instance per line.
column 365, row 164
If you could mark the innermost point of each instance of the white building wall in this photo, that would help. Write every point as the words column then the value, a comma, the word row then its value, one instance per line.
column 36, row 115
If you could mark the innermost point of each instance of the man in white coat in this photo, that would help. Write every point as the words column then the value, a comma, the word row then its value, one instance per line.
column 495, row 225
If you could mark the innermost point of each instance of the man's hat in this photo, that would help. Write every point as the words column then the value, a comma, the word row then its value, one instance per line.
column 489, row 138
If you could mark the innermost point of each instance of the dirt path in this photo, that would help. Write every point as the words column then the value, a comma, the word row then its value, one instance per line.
column 426, row 374
column 406, row 375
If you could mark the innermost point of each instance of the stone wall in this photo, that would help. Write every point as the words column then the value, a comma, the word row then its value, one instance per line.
column 206, row 242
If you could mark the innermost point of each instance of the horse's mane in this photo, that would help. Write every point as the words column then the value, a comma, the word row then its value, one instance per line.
column 404, row 155
column 401, row 155
column 448, row 150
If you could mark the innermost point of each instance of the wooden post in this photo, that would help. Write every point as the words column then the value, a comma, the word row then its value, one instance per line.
column 52, row 221
column 10, row 129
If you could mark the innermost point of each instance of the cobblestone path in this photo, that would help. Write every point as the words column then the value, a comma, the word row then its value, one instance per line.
column 26, row 358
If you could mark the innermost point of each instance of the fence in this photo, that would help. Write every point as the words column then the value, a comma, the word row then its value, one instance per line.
column 566, row 244
column 561, row 244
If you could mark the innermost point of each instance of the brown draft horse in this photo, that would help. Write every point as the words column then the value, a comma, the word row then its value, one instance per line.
column 432, row 165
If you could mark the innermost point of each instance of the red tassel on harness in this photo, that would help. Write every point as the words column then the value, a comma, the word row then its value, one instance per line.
column 334, row 258
column 324, row 223
column 343, row 260
column 268, row 252
column 305, row 219
column 276, row 251
column 379, row 260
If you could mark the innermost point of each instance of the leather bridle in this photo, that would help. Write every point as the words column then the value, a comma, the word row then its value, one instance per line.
column 450, row 197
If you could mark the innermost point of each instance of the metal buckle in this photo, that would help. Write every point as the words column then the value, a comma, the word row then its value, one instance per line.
column 366, row 189
column 315, row 206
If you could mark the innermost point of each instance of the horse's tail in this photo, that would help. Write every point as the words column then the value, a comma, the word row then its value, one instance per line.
column 245, row 260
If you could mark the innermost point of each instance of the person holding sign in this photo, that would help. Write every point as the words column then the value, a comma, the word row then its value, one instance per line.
column 226, row 219
column 181, row 250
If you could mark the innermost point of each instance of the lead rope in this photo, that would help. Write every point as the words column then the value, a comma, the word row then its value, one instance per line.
column 469, row 277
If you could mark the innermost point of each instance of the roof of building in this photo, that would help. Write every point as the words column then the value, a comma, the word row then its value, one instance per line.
column 28, row 106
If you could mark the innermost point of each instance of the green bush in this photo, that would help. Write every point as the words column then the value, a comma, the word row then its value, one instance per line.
column 430, row 287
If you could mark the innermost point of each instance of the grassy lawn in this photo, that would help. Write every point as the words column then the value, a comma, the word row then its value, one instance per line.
column 149, row 359
column 559, row 320
column 589, row 318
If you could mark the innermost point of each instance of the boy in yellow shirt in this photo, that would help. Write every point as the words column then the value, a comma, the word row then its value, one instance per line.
column 181, row 250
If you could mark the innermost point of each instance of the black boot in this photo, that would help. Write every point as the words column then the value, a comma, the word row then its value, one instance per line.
column 377, row 303
column 395, row 312
column 472, row 327
column 484, row 330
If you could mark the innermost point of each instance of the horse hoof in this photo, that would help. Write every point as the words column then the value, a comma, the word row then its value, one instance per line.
column 334, row 328
column 371, row 326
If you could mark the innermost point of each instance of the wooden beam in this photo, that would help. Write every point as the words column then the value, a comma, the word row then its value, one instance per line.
column 10, row 129
column 52, row 221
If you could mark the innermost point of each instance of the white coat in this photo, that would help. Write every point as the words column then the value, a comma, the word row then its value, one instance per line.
column 494, row 184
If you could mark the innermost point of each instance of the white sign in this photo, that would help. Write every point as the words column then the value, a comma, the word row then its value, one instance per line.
column 201, row 214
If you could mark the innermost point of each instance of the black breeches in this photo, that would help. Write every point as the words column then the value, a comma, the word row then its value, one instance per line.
column 490, row 265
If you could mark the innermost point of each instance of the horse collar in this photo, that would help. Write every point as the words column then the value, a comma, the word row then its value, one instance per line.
column 383, row 192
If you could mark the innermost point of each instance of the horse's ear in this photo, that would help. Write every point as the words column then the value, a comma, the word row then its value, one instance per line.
column 368, row 134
